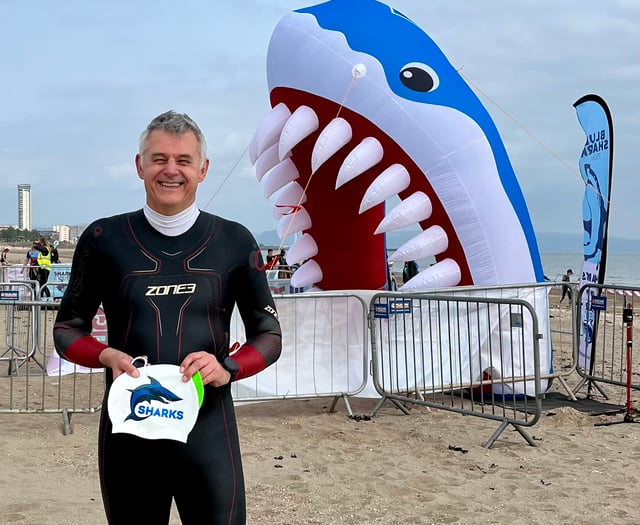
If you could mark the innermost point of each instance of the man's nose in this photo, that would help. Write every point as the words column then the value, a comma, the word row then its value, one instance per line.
column 171, row 167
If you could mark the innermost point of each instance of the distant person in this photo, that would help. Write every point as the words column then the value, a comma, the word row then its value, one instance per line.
column 272, row 260
column 566, row 289
column 31, row 261
column 409, row 271
column 55, row 256
column 4, row 257
column 284, row 270
column 44, row 265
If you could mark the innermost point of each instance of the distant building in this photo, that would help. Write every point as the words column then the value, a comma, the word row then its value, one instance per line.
column 24, row 206
column 75, row 232
column 63, row 232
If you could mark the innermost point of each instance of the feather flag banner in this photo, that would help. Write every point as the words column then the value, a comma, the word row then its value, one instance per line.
column 596, row 169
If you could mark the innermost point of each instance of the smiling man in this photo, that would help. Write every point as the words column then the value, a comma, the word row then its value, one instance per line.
column 168, row 277
column 171, row 164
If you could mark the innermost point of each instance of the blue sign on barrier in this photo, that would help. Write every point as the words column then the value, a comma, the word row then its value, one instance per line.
column 381, row 311
column 400, row 306
column 393, row 307
column 598, row 302
column 9, row 295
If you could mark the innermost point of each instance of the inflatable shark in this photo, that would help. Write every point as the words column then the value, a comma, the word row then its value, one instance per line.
column 367, row 110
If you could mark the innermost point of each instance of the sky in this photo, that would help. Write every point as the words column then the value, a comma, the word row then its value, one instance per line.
column 81, row 80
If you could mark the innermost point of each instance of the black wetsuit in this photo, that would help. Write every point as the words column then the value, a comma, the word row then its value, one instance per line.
column 165, row 297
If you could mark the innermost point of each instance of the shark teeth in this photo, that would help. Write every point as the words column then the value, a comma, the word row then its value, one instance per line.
column 307, row 275
column 279, row 176
column 443, row 274
column 413, row 210
column 290, row 197
column 280, row 131
column 267, row 160
column 294, row 223
column 428, row 243
column 389, row 183
column 333, row 137
column 303, row 248
column 362, row 158
column 302, row 122
column 268, row 131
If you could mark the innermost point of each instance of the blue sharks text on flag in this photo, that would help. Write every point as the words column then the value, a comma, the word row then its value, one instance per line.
column 596, row 168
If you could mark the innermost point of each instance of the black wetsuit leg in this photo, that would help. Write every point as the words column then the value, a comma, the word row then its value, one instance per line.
column 211, row 467
column 205, row 474
column 135, row 476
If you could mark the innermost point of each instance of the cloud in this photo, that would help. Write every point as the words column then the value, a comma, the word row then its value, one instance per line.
column 85, row 79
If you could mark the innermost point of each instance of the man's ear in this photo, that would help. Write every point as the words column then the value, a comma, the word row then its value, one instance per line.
column 139, row 166
column 204, row 170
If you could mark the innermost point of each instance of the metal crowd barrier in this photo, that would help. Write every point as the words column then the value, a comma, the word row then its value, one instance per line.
column 491, row 352
column 464, row 353
column 324, row 353
column 20, row 343
column 35, row 379
column 605, row 331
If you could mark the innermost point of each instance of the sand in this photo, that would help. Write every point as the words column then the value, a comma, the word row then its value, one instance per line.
column 305, row 465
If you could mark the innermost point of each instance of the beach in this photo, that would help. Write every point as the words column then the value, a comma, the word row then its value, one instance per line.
column 304, row 465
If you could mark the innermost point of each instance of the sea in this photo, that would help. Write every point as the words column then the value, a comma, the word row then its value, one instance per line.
column 621, row 269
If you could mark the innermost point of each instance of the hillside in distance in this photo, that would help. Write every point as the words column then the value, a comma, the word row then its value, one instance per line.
column 547, row 242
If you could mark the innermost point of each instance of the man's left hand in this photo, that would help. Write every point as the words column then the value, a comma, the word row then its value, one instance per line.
column 211, row 371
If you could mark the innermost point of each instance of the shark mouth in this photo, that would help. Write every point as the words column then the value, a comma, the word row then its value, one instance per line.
column 331, row 184
column 341, row 140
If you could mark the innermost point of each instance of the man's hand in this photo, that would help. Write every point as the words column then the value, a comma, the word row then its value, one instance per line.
column 211, row 371
column 119, row 362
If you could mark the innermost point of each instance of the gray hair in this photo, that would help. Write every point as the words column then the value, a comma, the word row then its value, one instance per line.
column 174, row 124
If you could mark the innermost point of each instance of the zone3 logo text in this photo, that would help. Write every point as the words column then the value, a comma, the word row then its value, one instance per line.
column 170, row 289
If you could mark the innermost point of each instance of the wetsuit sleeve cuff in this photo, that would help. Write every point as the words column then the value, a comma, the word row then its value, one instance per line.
column 85, row 352
column 250, row 361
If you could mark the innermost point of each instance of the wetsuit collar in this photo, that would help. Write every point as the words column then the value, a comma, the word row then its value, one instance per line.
column 172, row 225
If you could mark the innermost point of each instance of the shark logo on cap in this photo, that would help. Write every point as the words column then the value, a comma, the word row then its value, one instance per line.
column 153, row 391
column 157, row 404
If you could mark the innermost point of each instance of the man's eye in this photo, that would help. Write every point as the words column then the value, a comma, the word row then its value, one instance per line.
column 184, row 162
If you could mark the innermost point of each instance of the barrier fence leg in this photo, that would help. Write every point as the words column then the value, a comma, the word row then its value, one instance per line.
column 332, row 408
column 489, row 443
column 397, row 404
column 627, row 318
column 66, row 422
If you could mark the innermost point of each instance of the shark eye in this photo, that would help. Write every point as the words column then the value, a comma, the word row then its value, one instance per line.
column 419, row 77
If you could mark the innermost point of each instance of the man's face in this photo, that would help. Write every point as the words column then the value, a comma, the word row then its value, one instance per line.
column 171, row 171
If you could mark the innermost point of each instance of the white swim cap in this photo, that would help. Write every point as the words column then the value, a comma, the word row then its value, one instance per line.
column 157, row 404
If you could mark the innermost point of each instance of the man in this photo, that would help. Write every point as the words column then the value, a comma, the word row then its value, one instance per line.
column 566, row 289
column 168, row 277
column 55, row 256
column 44, row 268
column 409, row 271
column 272, row 260
column 31, row 261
